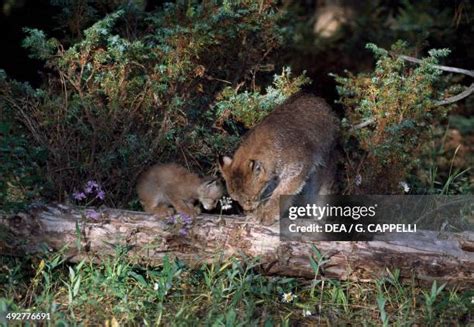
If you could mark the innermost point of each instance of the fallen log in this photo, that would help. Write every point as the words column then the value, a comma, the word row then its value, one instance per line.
column 428, row 256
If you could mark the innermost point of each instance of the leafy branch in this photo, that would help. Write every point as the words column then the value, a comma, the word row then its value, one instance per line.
column 446, row 101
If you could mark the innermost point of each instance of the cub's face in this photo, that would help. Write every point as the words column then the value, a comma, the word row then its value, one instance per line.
column 246, row 182
column 209, row 192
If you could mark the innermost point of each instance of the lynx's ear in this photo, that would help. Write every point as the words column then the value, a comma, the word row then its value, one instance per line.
column 224, row 163
column 213, row 183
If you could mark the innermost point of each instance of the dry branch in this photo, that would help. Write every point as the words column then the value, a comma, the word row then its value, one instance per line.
column 446, row 258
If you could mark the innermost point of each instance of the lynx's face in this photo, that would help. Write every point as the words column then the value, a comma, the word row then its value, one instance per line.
column 247, row 183
column 210, row 191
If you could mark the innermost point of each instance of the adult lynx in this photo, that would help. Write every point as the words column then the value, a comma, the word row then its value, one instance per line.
column 290, row 152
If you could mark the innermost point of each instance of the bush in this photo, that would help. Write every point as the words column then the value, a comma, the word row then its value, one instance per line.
column 249, row 108
column 20, row 171
column 401, row 100
column 114, row 104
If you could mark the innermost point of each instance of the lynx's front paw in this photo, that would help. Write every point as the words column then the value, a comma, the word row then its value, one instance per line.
column 197, row 211
column 268, row 216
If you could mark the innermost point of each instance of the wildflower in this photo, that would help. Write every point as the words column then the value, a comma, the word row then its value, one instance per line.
column 405, row 187
column 306, row 313
column 358, row 179
column 155, row 286
column 183, row 232
column 100, row 195
column 78, row 196
column 288, row 297
column 91, row 186
column 186, row 219
column 226, row 203
column 92, row 214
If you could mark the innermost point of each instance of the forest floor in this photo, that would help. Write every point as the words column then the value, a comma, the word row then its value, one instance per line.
column 116, row 292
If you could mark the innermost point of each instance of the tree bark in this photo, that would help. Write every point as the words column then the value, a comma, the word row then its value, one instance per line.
column 429, row 256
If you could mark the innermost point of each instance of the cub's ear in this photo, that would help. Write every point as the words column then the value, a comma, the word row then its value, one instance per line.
column 224, row 163
column 213, row 183
column 256, row 166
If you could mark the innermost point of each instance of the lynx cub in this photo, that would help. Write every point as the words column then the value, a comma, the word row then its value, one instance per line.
column 166, row 185
column 290, row 152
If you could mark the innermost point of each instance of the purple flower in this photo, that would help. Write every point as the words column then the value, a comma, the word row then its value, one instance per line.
column 91, row 186
column 183, row 232
column 78, row 196
column 100, row 195
column 92, row 214
column 186, row 219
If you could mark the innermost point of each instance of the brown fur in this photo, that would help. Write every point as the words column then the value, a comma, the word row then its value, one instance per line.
column 290, row 149
column 168, row 185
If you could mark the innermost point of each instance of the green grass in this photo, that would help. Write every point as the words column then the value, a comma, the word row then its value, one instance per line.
column 225, row 293
column 454, row 177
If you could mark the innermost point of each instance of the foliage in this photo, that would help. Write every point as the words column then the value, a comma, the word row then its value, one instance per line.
column 114, row 103
column 20, row 182
column 446, row 167
column 401, row 100
column 20, row 164
column 116, row 291
column 77, row 15
column 249, row 108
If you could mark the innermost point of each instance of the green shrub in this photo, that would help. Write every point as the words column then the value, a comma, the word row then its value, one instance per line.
column 401, row 100
column 20, row 160
column 249, row 108
column 114, row 104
